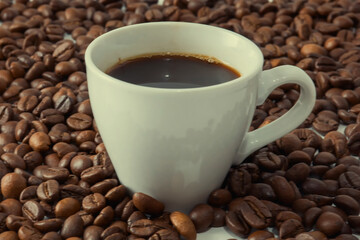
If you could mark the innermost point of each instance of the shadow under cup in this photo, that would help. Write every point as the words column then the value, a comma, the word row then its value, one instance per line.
column 176, row 145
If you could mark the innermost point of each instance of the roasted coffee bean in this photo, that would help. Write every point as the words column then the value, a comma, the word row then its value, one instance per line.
column 283, row 190
column 21, row 150
column 33, row 211
column 35, row 71
column 48, row 191
column 165, row 234
column 298, row 173
column 302, row 204
column 51, row 116
column 335, row 172
column 65, row 68
column 314, row 186
column 72, row 179
column 62, row 148
column 11, row 206
column 79, row 121
column 39, row 141
column 346, row 229
column 55, row 173
column 354, row 193
column 116, row 194
column 330, row 223
column 183, row 225
column 260, row 235
column 84, row 107
column 33, row 159
column 313, row 235
column 335, row 142
column 27, row 232
column 136, row 215
column 349, row 180
column 219, row 218
column 348, row 204
column 116, row 227
column 289, row 143
column 73, row 227
column 324, row 125
column 268, row 161
column 331, row 186
column 93, row 174
column 102, row 158
column 49, row 225
column 9, row 235
column 354, row 222
column 120, row 236
column 9, row 148
column 202, row 216
column 219, row 197
column 92, row 232
column 239, row 182
column 143, row 228
column 79, row 163
column 311, row 48
column 38, row 171
column 147, row 204
column 126, row 211
column 353, row 143
column 105, row 216
column 104, row 186
column 237, row 224
column 74, row 191
column 12, row 160
column 273, row 207
column 326, row 64
column 290, row 228
column 310, row 216
column 51, row 236
column 12, row 185
column 64, row 51
column 336, row 210
column 93, row 203
column 346, row 237
column 254, row 212
column 22, row 172
column 347, row 117
column 298, row 156
column 320, row 200
column 64, row 104
column 262, row 191
column 13, row 222
column 324, row 158
column 67, row 207
column 87, row 218
column 3, row 217
column 284, row 216
column 27, row 103
column 65, row 160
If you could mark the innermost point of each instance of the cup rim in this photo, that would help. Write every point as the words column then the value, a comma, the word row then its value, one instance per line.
column 89, row 63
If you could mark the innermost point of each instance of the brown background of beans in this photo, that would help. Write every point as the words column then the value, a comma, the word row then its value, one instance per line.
column 57, row 181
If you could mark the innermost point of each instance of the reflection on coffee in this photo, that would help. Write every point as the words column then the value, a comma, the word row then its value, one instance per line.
column 173, row 71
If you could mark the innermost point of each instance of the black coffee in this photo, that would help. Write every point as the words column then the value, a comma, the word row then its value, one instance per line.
column 173, row 71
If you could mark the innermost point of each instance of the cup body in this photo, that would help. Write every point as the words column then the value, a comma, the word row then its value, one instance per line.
column 176, row 145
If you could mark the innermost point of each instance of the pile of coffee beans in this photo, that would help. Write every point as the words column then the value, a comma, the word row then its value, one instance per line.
column 57, row 181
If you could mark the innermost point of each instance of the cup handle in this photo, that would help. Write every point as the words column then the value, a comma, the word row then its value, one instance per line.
column 269, row 80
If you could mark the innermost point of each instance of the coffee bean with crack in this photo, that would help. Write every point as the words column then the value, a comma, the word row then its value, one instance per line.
column 93, row 203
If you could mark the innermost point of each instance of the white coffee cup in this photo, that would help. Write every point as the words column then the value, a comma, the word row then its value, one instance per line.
column 177, row 145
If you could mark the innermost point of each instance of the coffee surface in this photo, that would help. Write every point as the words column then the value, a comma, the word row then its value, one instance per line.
column 173, row 71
